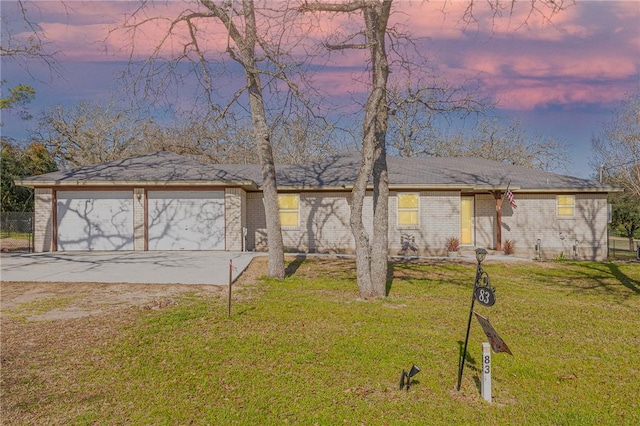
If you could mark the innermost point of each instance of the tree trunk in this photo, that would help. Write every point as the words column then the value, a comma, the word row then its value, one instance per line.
column 261, row 133
column 363, row 250
column 275, row 244
column 371, row 253
column 631, row 231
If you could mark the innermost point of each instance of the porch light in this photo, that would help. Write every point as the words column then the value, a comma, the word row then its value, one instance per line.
column 480, row 255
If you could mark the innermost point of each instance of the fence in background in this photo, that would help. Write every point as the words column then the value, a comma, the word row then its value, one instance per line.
column 619, row 248
column 16, row 231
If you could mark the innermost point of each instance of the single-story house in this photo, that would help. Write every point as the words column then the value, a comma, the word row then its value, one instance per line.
column 164, row 201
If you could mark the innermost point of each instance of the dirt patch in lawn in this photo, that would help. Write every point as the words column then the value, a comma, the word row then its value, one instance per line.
column 49, row 331
column 29, row 302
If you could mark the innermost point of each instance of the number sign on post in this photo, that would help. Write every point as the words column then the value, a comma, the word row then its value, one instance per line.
column 486, row 372
column 484, row 293
column 485, row 296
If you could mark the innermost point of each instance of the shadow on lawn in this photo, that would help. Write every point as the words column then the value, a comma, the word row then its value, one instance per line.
column 613, row 270
column 294, row 265
column 430, row 271
column 470, row 364
column 390, row 269
column 625, row 280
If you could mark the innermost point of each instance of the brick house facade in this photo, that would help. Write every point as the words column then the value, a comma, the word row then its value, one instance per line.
column 431, row 200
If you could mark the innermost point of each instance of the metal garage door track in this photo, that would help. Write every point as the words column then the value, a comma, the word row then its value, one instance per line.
column 151, row 267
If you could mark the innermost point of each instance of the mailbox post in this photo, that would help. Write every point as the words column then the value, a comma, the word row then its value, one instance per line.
column 484, row 293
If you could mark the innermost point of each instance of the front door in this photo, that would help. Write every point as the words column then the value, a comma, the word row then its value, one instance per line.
column 466, row 220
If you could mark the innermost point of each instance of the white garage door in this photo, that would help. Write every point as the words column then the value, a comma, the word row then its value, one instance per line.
column 95, row 220
column 185, row 220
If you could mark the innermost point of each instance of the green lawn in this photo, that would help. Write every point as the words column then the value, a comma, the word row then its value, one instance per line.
column 307, row 351
column 16, row 235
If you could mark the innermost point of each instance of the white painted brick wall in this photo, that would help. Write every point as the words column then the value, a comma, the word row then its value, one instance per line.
column 43, row 229
column 233, row 201
column 439, row 219
column 535, row 218
column 138, row 219
column 325, row 224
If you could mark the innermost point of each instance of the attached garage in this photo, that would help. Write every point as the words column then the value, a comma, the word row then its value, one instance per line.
column 164, row 201
column 185, row 220
column 94, row 220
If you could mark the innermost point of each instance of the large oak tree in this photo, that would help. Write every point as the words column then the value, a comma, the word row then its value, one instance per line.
column 372, row 250
column 255, row 42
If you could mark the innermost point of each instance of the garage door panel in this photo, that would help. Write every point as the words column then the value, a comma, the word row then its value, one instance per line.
column 186, row 220
column 90, row 220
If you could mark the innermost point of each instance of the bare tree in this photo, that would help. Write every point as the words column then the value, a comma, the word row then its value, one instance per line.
column 255, row 43
column 419, row 110
column 371, row 250
column 88, row 133
column 30, row 44
column 216, row 140
column 617, row 149
column 489, row 139
column 22, row 39
column 617, row 153
column 303, row 139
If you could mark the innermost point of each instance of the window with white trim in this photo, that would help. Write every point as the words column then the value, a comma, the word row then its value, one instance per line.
column 289, row 208
column 565, row 205
column 408, row 209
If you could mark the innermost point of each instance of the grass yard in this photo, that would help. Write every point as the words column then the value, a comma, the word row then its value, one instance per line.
column 307, row 351
column 16, row 235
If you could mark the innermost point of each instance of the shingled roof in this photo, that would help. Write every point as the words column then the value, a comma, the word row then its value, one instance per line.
column 337, row 171
column 159, row 168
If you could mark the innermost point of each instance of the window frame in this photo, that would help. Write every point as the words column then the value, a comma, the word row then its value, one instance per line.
column 572, row 206
column 296, row 210
column 405, row 209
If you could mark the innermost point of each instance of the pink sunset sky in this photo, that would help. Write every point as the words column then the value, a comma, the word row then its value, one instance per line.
column 563, row 79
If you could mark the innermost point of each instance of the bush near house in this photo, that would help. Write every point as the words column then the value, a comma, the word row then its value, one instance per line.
column 452, row 244
column 509, row 247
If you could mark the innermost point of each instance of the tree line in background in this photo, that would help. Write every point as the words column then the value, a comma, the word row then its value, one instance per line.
column 278, row 113
column 617, row 160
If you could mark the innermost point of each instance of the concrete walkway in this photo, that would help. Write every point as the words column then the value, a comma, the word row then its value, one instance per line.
column 151, row 267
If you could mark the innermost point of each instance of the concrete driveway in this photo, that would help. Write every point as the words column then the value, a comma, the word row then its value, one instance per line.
column 151, row 267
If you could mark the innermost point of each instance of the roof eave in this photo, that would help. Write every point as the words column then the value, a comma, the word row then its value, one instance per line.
column 450, row 187
column 572, row 190
column 247, row 185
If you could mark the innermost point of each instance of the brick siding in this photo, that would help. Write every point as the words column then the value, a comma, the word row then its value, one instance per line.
column 535, row 218
column 139, row 219
column 324, row 223
column 235, row 217
column 43, row 229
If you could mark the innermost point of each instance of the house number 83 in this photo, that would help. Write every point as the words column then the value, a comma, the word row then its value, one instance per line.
column 485, row 296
